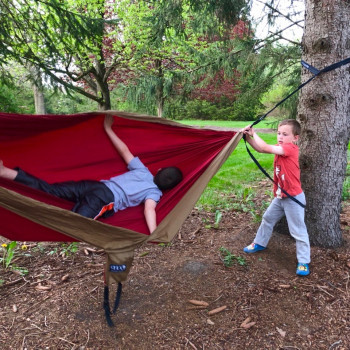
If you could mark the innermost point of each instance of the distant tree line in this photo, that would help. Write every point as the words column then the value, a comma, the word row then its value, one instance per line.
column 170, row 58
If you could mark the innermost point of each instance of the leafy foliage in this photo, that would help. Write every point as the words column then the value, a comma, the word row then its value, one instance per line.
column 62, row 39
column 173, row 57
column 229, row 258
column 15, row 92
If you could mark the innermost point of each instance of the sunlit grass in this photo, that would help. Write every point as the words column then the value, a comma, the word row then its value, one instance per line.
column 239, row 173
column 228, row 124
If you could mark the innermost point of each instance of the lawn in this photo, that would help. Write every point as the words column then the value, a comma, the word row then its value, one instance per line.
column 228, row 123
column 239, row 173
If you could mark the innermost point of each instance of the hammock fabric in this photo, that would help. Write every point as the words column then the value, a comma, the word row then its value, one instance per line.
column 75, row 147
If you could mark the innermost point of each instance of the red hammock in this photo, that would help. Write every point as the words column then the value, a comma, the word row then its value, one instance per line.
column 75, row 147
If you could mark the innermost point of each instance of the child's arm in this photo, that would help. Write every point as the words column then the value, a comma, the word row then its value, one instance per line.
column 150, row 214
column 120, row 146
column 259, row 144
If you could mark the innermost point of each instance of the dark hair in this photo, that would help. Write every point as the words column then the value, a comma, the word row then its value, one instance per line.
column 167, row 178
column 296, row 128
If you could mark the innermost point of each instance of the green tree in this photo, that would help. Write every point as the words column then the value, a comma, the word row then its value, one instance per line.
column 16, row 95
column 186, row 44
column 175, row 44
column 64, row 41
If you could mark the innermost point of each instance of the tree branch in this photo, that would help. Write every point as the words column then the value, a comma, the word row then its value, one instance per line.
column 291, row 41
column 280, row 13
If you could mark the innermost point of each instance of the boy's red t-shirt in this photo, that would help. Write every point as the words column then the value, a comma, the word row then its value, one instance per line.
column 287, row 171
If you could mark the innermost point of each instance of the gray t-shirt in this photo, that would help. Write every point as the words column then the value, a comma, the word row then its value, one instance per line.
column 133, row 187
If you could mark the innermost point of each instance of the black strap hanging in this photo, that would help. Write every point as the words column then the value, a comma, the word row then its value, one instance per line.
column 117, row 298
column 106, row 306
column 315, row 73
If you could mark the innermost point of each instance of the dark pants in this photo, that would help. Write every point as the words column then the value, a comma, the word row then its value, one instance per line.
column 92, row 199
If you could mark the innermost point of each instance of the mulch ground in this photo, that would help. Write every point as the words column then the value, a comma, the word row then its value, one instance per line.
column 264, row 305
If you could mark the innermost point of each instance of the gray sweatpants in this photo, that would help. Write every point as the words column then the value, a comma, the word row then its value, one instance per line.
column 295, row 217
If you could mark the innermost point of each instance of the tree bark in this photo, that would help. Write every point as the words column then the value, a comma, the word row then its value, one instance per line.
column 159, row 90
column 39, row 100
column 105, row 105
column 37, row 86
column 102, row 88
column 324, row 114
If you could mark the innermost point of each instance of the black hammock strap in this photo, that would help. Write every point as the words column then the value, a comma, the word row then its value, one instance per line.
column 106, row 306
column 316, row 72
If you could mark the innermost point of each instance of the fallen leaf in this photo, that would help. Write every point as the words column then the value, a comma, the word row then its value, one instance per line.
column 41, row 287
column 143, row 254
column 217, row 310
column 196, row 307
column 94, row 265
column 281, row 332
column 64, row 278
column 198, row 302
column 247, row 324
column 91, row 250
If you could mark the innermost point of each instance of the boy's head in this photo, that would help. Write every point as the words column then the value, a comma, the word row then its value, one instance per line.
column 296, row 128
column 167, row 178
column 288, row 131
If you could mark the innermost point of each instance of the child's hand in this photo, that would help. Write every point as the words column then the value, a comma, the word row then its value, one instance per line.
column 108, row 122
column 248, row 130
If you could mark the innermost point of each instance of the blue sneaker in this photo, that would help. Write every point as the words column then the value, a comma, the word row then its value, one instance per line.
column 253, row 248
column 303, row 269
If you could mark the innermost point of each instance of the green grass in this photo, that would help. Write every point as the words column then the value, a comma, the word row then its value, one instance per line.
column 227, row 123
column 239, row 173
column 346, row 185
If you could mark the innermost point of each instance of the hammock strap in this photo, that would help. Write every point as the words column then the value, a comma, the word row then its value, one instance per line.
column 279, row 103
column 117, row 298
column 315, row 73
column 106, row 305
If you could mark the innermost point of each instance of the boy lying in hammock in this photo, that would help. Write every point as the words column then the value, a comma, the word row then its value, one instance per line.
column 95, row 199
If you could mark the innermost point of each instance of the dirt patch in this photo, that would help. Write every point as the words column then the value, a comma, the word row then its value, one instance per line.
column 58, row 305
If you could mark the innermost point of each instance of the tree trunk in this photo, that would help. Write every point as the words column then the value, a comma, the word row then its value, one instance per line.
column 106, row 97
column 324, row 114
column 39, row 100
column 102, row 88
column 37, row 85
column 159, row 90
column 160, row 107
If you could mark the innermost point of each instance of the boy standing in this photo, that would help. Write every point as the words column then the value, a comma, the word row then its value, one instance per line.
column 286, row 177
column 95, row 199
